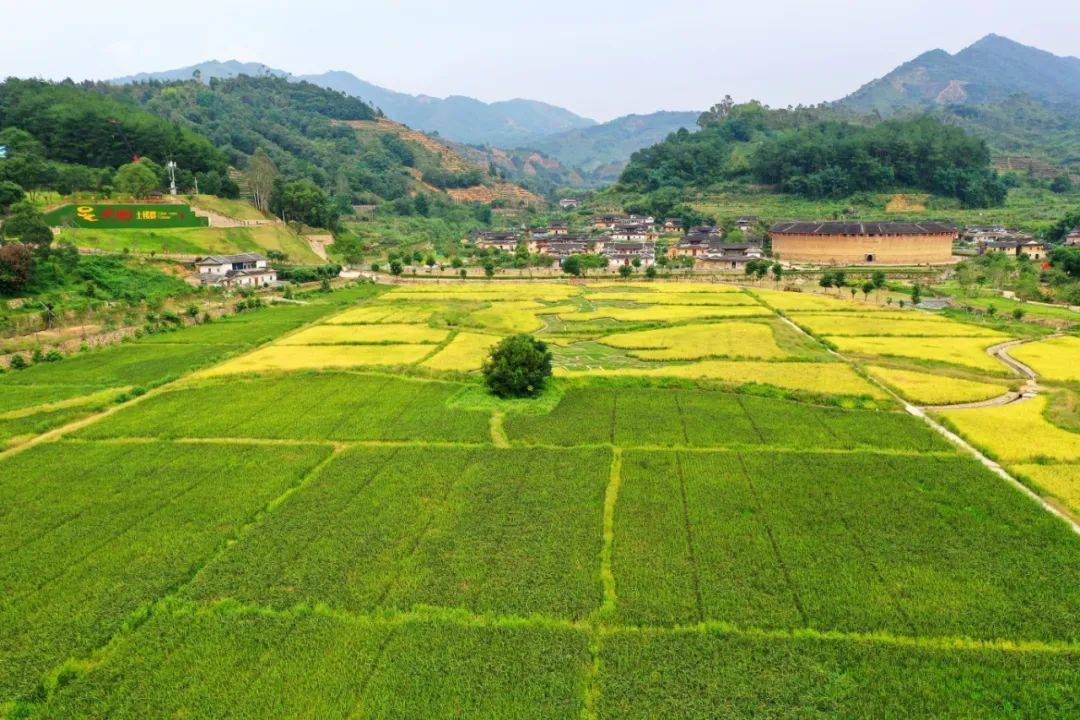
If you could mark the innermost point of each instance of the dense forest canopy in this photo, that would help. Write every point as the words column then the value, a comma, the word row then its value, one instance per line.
column 62, row 136
column 813, row 153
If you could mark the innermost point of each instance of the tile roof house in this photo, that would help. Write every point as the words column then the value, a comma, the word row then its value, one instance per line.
column 1016, row 246
column 1073, row 238
column 241, row 270
column 625, row 253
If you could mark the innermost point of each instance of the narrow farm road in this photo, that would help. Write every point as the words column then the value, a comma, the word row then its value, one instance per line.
column 998, row 351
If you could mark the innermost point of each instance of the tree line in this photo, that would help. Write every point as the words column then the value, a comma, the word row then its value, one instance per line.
column 818, row 154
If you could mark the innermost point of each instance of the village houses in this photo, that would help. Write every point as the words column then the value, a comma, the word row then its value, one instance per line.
column 242, row 270
column 1015, row 247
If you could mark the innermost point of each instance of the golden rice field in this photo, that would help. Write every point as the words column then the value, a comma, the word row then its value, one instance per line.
column 823, row 378
column 662, row 287
column 366, row 335
column 492, row 291
column 1056, row 359
column 912, row 324
column 512, row 316
column 665, row 313
column 925, row 388
column 967, row 351
column 793, row 302
column 1060, row 480
column 1016, row 433
column 672, row 298
column 387, row 312
column 691, row 342
column 464, row 353
column 279, row 358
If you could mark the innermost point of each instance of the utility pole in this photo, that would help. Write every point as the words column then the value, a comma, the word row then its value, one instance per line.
column 171, row 167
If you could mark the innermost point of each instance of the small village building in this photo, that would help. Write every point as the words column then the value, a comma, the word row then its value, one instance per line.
column 488, row 240
column 1073, row 238
column 558, row 227
column 746, row 223
column 634, row 231
column 569, row 203
column 242, row 270
column 625, row 253
column 559, row 250
column 1015, row 247
column 728, row 256
column 983, row 234
column 886, row 243
column 672, row 225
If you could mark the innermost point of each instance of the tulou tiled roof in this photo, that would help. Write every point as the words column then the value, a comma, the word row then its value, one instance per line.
column 862, row 228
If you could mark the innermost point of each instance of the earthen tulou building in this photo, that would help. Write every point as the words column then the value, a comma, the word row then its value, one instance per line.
column 849, row 243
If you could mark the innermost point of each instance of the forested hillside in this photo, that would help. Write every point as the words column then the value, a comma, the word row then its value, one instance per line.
column 62, row 136
column 815, row 154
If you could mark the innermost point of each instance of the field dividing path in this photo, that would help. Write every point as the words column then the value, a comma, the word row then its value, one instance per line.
column 998, row 351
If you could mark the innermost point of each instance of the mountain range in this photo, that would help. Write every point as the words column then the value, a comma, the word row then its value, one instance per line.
column 1021, row 100
column 552, row 140
column 990, row 70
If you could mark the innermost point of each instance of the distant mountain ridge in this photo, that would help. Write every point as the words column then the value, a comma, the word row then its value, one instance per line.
column 990, row 70
column 589, row 152
column 602, row 151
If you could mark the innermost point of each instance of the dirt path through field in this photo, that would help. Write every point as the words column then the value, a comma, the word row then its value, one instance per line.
column 998, row 351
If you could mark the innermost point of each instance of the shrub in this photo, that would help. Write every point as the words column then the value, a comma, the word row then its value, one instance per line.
column 518, row 366
column 18, row 362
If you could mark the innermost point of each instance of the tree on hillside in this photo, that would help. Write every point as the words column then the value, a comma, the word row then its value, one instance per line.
column 10, row 193
column 136, row 178
column 302, row 201
column 261, row 174
column 27, row 225
column 16, row 268
column 572, row 265
column 518, row 366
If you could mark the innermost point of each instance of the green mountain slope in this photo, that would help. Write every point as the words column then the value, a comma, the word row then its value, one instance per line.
column 1021, row 100
column 601, row 151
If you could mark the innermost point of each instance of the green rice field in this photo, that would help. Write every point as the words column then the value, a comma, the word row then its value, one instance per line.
column 388, row 541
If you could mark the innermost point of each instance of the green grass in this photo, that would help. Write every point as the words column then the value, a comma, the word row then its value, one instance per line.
column 712, row 675
column 91, row 533
column 157, row 358
column 496, row 531
column 305, row 406
column 235, row 209
column 198, row 664
column 197, row 241
column 839, row 542
column 630, row 417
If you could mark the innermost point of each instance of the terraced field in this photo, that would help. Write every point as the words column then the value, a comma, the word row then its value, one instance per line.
column 315, row 511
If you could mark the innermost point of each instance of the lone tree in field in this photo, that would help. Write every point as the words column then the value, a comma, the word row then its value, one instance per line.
column 519, row 366
column 137, row 179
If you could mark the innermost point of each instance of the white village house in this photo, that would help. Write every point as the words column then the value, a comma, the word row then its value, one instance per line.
column 242, row 270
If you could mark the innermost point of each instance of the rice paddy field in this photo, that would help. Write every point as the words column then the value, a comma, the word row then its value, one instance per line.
column 316, row 511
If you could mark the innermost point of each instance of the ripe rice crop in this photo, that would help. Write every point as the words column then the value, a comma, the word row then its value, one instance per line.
column 366, row 334
column 966, row 351
column 929, row 389
column 669, row 297
column 387, row 312
column 1055, row 359
column 916, row 324
column 1058, row 480
column 690, row 342
column 512, row 317
column 855, row 542
column 1016, row 432
column 105, row 529
column 824, row 378
column 795, row 301
column 465, row 352
column 278, row 358
column 700, row 674
column 278, row 666
column 487, row 291
column 328, row 406
column 502, row 531
column 668, row 313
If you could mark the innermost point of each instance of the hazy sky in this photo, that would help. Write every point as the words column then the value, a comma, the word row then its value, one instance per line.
column 599, row 58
